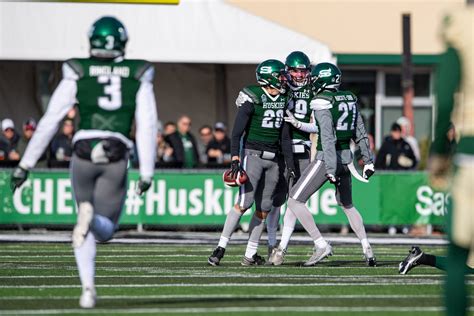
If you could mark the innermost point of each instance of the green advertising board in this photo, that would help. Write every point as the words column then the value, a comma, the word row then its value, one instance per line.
column 201, row 198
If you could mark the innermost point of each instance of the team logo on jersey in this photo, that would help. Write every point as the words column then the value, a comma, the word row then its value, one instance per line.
column 264, row 98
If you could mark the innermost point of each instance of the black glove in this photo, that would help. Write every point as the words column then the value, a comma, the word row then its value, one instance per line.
column 235, row 168
column 332, row 178
column 291, row 176
column 369, row 170
column 19, row 175
column 142, row 186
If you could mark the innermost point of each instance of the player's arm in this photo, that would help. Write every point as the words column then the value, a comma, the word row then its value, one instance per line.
column 146, row 119
column 362, row 140
column 62, row 100
column 448, row 80
column 309, row 127
column 323, row 116
column 245, row 112
column 286, row 146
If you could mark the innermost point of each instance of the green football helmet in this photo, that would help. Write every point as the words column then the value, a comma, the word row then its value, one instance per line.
column 270, row 73
column 297, row 69
column 107, row 38
column 325, row 76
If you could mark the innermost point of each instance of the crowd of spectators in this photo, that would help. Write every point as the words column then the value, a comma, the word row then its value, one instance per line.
column 177, row 147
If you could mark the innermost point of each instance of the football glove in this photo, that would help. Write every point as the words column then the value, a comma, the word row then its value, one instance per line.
column 235, row 168
column 332, row 178
column 18, row 177
column 368, row 171
column 290, row 118
column 142, row 186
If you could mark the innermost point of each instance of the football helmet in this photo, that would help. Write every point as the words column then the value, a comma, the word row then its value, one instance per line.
column 107, row 38
column 270, row 73
column 297, row 69
column 325, row 76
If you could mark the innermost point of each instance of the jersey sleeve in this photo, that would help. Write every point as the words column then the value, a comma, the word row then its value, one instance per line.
column 242, row 118
column 62, row 100
column 246, row 95
column 362, row 140
column 146, row 118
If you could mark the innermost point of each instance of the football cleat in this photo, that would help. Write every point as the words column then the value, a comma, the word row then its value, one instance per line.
column 216, row 256
column 88, row 298
column 318, row 255
column 369, row 257
column 234, row 181
column 84, row 219
column 270, row 250
column 256, row 260
column 410, row 261
column 277, row 256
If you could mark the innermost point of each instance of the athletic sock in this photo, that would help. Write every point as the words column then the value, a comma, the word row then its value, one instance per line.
column 289, row 222
column 305, row 217
column 455, row 287
column 256, row 228
column 320, row 243
column 231, row 222
column 272, row 225
column 432, row 261
column 85, row 260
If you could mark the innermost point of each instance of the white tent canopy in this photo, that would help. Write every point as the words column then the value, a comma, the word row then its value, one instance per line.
column 195, row 31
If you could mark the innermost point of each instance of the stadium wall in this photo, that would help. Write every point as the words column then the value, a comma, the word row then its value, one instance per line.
column 200, row 199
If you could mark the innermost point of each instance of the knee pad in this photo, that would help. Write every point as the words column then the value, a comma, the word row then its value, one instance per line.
column 102, row 228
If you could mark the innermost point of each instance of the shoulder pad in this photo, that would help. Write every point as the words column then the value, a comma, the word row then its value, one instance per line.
column 320, row 104
column 75, row 66
column 253, row 93
column 145, row 70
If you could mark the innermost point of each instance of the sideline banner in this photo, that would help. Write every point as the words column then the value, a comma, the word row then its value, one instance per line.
column 200, row 198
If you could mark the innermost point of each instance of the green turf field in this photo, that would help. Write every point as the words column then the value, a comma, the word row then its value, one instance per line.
column 38, row 278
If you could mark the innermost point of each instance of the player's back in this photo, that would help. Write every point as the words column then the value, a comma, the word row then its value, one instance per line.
column 106, row 92
column 344, row 116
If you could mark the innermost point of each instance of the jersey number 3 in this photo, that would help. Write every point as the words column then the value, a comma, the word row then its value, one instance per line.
column 112, row 100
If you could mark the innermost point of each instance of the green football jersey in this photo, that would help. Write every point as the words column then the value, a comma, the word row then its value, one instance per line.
column 299, row 105
column 267, row 119
column 106, row 92
column 344, row 116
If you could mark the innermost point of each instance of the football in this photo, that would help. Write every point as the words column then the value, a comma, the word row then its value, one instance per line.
column 234, row 181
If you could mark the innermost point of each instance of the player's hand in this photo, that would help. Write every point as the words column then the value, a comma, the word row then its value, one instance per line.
column 332, row 178
column 368, row 171
column 143, row 185
column 235, row 168
column 439, row 167
column 18, row 177
column 290, row 118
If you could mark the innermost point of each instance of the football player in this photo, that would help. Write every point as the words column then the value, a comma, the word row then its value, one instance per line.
column 418, row 257
column 110, row 92
column 260, row 121
column 339, row 122
column 455, row 95
column 297, row 73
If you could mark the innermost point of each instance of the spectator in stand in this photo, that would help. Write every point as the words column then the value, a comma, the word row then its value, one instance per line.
column 205, row 136
column 406, row 134
column 183, row 143
column 10, row 139
column 61, row 146
column 29, row 127
column 218, row 150
column 395, row 153
column 169, row 128
column 3, row 150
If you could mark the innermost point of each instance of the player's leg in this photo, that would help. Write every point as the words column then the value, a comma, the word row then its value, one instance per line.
column 344, row 199
column 310, row 181
column 83, row 174
column 279, row 198
column 289, row 220
column 460, row 232
column 253, row 167
column 263, row 204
